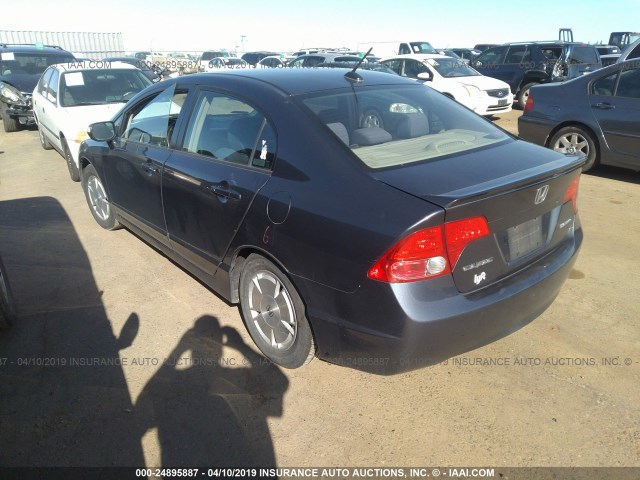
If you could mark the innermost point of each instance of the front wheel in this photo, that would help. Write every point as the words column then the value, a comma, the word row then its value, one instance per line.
column 97, row 199
column 10, row 124
column 274, row 314
column 575, row 141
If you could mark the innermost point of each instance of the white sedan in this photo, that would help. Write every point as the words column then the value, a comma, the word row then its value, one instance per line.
column 484, row 95
column 71, row 96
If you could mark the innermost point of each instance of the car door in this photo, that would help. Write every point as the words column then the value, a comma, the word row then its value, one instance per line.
column 226, row 157
column 618, row 114
column 133, row 166
column 45, row 105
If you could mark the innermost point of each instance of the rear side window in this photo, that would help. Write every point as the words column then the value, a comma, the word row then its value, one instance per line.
column 229, row 129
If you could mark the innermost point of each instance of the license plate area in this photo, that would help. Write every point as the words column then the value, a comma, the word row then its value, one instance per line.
column 524, row 238
column 503, row 102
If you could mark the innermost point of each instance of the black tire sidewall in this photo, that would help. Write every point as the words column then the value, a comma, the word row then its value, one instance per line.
column 303, row 349
column 74, row 173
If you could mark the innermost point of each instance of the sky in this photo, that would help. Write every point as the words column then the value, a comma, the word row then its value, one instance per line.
column 289, row 25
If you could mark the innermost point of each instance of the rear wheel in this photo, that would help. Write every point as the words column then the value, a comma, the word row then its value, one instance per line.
column 97, row 199
column 523, row 95
column 10, row 123
column 575, row 141
column 274, row 314
column 74, row 173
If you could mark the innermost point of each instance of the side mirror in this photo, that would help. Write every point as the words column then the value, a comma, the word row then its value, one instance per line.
column 102, row 131
column 426, row 76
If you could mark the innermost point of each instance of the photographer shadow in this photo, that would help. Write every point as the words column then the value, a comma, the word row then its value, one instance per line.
column 209, row 405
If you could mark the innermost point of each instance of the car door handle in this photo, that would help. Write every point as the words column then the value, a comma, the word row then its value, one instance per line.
column 223, row 189
column 604, row 106
column 149, row 168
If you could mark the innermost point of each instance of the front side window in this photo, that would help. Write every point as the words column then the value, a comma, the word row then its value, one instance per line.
column 389, row 127
column 153, row 124
column 229, row 129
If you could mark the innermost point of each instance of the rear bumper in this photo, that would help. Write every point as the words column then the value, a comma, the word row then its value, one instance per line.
column 534, row 130
column 388, row 329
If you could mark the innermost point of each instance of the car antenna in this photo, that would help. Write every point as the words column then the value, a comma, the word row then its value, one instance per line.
column 352, row 76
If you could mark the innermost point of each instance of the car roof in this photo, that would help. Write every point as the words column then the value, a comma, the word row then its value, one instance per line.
column 93, row 65
column 420, row 56
column 294, row 81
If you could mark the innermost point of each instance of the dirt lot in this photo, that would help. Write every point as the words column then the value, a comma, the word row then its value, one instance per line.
column 112, row 360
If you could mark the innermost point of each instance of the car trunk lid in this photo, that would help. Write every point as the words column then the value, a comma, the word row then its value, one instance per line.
column 519, row 188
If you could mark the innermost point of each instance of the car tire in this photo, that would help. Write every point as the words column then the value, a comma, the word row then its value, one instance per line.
column 523, row 95
column 371, row 118
column 44, row 143
column 576, row 140
column 10, row 123
column 274, row 314
column 7, row 307
column 97, row 199
column 74, row 173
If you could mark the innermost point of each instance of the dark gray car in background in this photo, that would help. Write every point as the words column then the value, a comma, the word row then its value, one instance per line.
column 596, row 115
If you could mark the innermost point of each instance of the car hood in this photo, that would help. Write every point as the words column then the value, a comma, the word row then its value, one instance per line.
column 482, row 82
column 82, row 116
column 24, row 82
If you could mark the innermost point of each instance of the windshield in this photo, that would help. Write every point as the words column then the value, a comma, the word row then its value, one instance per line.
column 29, row 63
column 451, row 67
column 98, row 87
column 391, row 126
column 422, row 47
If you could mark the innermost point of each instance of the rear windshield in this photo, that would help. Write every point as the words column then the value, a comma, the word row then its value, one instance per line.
column 391, row 126
column 29, row 63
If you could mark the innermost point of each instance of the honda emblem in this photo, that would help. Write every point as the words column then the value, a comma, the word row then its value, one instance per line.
column 541, row 194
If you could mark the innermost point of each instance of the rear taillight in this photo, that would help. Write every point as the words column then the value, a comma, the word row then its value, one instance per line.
column 529, row 105
column 428, row 253
column 572, row 193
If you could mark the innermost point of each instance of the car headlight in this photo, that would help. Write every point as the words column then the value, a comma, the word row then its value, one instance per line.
column 11, row 95
column 473, row 91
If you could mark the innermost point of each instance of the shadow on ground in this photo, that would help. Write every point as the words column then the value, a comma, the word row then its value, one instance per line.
column 64, row 399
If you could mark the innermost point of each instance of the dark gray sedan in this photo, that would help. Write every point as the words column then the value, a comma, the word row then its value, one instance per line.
column 597, row 115
column 382, row 246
